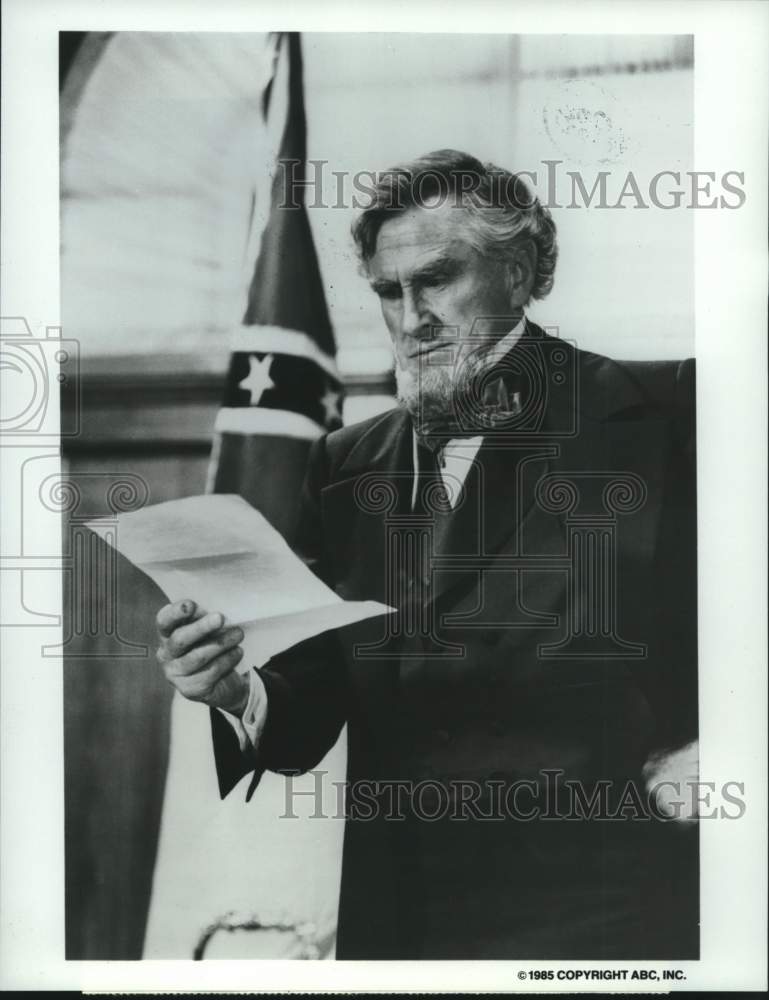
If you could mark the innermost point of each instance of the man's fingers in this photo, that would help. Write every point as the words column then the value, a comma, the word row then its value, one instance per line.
column 200, row 686
column 171, row 616
column 200, row 657
column 186, row 637
column 197, row 654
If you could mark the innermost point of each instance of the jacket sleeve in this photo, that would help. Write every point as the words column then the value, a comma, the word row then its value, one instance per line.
column 688, row 729
column 678, row 573
column 668, row 676
column 686, row 416
column 305, row 685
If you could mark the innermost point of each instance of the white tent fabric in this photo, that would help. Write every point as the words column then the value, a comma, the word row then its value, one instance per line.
column 252, row 860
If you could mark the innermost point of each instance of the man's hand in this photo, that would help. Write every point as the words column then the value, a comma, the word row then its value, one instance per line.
column 672, row 777
column 199, row 656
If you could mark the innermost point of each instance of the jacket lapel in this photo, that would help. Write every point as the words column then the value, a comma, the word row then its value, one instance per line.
column 374, row 485
column 497, row 503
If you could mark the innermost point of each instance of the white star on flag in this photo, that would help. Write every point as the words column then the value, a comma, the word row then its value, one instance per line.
column 258, row 380
column 330, row 403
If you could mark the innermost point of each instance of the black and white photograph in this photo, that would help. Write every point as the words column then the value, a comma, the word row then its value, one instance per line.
column 405, row 615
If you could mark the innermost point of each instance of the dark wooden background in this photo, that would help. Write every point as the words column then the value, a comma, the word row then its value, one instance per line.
column 147, row 431
column 156, row 431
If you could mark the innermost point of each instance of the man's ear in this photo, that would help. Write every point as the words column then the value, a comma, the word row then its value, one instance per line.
column 522, row 273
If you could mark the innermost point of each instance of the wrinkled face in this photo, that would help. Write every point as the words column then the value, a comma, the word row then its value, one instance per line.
column 429, row 277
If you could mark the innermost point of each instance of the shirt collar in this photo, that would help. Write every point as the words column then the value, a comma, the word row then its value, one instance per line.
column 506, row 344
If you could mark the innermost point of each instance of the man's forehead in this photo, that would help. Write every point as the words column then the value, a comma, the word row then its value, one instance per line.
column 418, row 235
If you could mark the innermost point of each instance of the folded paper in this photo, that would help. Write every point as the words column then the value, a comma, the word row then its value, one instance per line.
column 222, row 553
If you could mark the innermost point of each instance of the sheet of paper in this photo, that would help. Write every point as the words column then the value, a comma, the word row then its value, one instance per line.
column 221, row 552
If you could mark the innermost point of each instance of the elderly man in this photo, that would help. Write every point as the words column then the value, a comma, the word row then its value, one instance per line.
column 528, row 509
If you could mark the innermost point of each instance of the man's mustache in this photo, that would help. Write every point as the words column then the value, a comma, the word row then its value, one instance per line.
column 428, row 338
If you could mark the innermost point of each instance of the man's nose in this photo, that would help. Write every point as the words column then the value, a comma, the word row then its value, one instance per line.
column 413, row 316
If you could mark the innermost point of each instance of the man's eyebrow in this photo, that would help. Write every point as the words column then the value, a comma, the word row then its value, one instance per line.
column 439, row 267
column 384, row 284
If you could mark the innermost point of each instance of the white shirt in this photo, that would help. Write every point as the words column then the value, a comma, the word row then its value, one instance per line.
column 456, row 459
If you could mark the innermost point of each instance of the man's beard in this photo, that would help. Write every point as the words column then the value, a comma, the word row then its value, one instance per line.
column 428, row 394
column 436, row 394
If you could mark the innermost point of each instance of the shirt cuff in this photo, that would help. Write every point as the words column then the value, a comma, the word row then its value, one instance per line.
column 248, row 728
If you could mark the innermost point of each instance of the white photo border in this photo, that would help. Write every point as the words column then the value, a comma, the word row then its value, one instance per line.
column 731, row 133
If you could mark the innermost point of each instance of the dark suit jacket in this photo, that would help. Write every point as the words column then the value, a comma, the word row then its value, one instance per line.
column 557, row 644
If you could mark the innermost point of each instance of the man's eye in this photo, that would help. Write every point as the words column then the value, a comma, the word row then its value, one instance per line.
column 437, row 280
column 389, row 292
